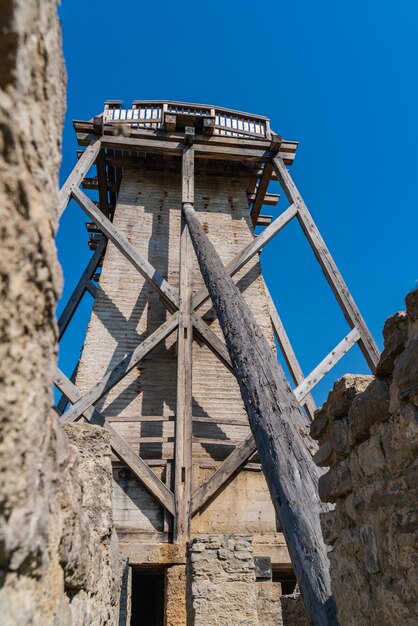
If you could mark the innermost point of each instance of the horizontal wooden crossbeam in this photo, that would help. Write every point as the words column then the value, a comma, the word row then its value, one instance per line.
column 122, row 450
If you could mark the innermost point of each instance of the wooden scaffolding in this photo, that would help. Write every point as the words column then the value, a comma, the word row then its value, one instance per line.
column 168, row 135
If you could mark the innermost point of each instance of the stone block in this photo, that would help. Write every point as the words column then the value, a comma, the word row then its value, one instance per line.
column 368, row 408
column 371, row 457
column 343, row 393
column 411, row 301
column 405, row 374
column 336, row 483
column 395, row 336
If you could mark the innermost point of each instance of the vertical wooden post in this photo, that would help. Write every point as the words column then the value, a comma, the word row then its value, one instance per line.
column 183, row 426
column 344, row 298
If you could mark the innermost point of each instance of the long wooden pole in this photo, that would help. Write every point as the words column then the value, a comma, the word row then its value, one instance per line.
column 279, row 428
column 183, row 424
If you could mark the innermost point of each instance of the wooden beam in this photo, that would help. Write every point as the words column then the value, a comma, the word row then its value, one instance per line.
column 102, row 182
column 213, row 342
column 75, row 298
column 202, row 150
column 250, row 250
column 261, row 192
column 183, row 422
column 327, row 364
column 120, row 370
column 328, row 265
column 270, row 199
column 264, row 220
column 288, row 353
column 167, row 293
column 232, row 464
column 123, row 451
column 78, row 174
column 279, row 429
column 236, row 460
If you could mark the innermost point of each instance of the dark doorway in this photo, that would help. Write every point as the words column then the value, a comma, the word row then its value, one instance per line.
column 147, row 598
column 287, row 580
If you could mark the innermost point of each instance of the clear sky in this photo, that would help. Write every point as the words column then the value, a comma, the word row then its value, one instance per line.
column 339, row 77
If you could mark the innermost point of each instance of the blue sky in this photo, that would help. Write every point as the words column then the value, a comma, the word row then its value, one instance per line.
column 339, row 77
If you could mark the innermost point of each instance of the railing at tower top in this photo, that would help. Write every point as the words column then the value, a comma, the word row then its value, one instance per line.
column 149, row 114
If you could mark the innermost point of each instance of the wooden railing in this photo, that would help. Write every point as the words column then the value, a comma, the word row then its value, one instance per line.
column 150, row 114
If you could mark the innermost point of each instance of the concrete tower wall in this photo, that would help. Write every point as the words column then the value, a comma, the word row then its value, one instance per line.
column 127, row 310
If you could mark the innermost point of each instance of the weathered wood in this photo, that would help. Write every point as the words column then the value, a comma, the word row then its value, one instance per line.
column 261, row 192
column 203, row 150
column 250, row 250
column 102, row 182
column 183, row 423
column 79, row 172
column 122, row 450
column 92, row 289
column 72, row 304
column 168, row 294
column 278, row 426
column 328, row 265
column 327, row 364
column 232, row 464
column 213, row 342
column 288, row 353
column 120, row 370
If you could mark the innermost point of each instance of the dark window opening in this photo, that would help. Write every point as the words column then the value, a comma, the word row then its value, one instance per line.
column 147, row 598
column 287, row 581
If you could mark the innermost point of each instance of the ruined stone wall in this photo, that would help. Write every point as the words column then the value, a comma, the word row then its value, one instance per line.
column 57, row 560
column 368, row 435
column 221, row 585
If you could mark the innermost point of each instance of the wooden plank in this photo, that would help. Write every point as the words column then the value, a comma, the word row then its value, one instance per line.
column 217, row 152
column 270, row 199
column 120, row 370
column 327, row 364
column 264, row 220
column 279, row 429
column 183, row 423
column 122, row 450
column 232, row 464
column 102, row 182
column 92, row 289
column 328, row 265
column 235, row 461
column 288, row 353
column 261, row 192
column 167, row 293
column 250, row 250
column 75, row 298
column 77, row 175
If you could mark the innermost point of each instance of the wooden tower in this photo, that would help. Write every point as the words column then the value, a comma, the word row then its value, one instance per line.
column 154, row 369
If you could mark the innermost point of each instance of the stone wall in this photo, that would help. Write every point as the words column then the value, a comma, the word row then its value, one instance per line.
column 58, row 564
column 221, row 581
column 368, row 435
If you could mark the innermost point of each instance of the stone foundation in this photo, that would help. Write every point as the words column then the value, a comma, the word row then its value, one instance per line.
column 368, row 435
column 221, row 581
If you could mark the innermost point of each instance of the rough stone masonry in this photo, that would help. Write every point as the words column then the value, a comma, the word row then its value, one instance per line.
column 368, row 435
column 58, row 562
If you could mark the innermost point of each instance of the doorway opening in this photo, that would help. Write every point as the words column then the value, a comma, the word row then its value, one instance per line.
column 147, row 598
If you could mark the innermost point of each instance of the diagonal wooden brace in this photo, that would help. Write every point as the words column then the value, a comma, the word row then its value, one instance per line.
column 135, row 463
